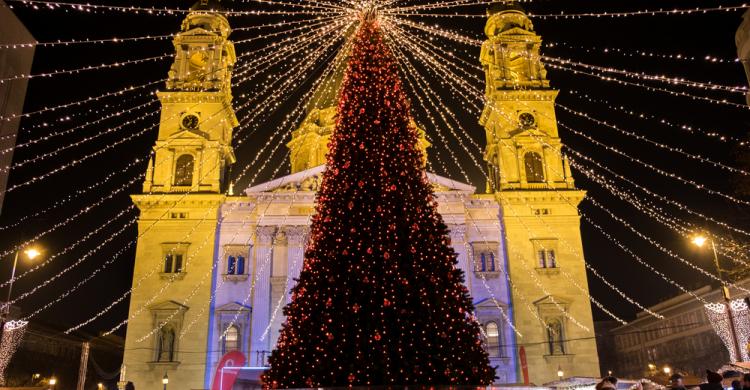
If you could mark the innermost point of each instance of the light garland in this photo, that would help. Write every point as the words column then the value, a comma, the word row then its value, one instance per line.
column 655, row 143
column 713, row 134
column 642, row 53
column 13, row 332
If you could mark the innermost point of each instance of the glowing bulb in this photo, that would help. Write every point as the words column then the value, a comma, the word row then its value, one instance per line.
column 699, row 240
column 32, row 253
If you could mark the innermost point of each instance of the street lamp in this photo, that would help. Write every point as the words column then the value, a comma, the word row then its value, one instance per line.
column 700, row 240
column 560, row 373
column 31, row 253
column 667, row 370
column 52, row 382
column 652, row 366
column 100, row 385
column 165, row 380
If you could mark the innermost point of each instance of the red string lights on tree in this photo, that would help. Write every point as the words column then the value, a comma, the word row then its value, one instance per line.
column 379, row 300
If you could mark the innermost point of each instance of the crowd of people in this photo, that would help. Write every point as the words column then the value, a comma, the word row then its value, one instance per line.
column 728, row 380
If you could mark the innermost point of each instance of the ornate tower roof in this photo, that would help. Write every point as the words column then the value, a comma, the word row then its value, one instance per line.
column 207, row 5
column 502, row 6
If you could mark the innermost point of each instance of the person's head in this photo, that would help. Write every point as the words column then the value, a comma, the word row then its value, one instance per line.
column 611, row 379
column 713, row 377
column 746, row 380
column 676, row 380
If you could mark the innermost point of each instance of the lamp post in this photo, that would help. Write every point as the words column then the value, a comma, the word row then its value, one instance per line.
column 667, row 370
column 52, row 382
column 560, row 373
column 700, row 241
column 31, row 254
column 165, row 380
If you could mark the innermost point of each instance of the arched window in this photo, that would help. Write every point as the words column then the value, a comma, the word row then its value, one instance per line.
column 183, row 170
column 493, row 339
column 534, row 167
column 484, row 262
column 165, row 344
column 492, row 262
column 555, row 338
column 232, row 339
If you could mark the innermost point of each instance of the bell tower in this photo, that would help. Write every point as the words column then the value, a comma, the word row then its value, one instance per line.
column 169, row 321
column 531, row 180
column 193, row 148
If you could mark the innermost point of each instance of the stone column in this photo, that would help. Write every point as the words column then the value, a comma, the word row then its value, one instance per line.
column 259, row 349
column 550, row 176
column 297, row 238
column 458, row 241
column 278, row 285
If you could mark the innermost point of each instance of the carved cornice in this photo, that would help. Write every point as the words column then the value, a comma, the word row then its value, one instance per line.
column 521, row 197
column 143, row 201
column 545, row 95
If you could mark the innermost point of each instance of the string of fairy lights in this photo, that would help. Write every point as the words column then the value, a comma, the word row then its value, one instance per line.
column 278, row 69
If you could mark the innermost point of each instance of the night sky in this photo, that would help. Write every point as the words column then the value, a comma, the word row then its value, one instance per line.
column 581, row 40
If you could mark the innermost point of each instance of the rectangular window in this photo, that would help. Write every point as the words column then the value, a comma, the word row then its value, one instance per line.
column 485, row 256
column 175, row 255
column 173, row 263
column 545, row 252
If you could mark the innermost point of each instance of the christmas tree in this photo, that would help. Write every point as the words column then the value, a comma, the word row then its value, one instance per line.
column 379, row 300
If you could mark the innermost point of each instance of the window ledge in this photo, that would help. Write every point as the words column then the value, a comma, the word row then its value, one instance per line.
column 173, row 364
column 234, row 278
column 487, row 275
column 548, row 271
column 169, row 275
column 501, row 359
column 559, row 358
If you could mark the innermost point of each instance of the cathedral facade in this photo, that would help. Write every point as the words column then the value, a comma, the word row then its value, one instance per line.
column 213, row 269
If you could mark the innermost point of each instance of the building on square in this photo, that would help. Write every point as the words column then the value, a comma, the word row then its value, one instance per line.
column 213, row 269
column 17, row 47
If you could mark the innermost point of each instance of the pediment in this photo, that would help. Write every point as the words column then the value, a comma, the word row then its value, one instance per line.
column 517, row 31
column 551, row 300
column 195, row 31
column 489, row 303
column 233, row 307
column 168, row 306
column 301, row 180
column 189, row 134
column 528, row 133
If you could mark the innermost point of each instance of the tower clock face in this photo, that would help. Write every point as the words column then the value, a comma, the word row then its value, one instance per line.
column 527, row 120
column 190, row 122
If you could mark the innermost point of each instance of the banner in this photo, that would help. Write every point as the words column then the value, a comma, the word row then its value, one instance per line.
column 524, row 365
column 225, row 376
